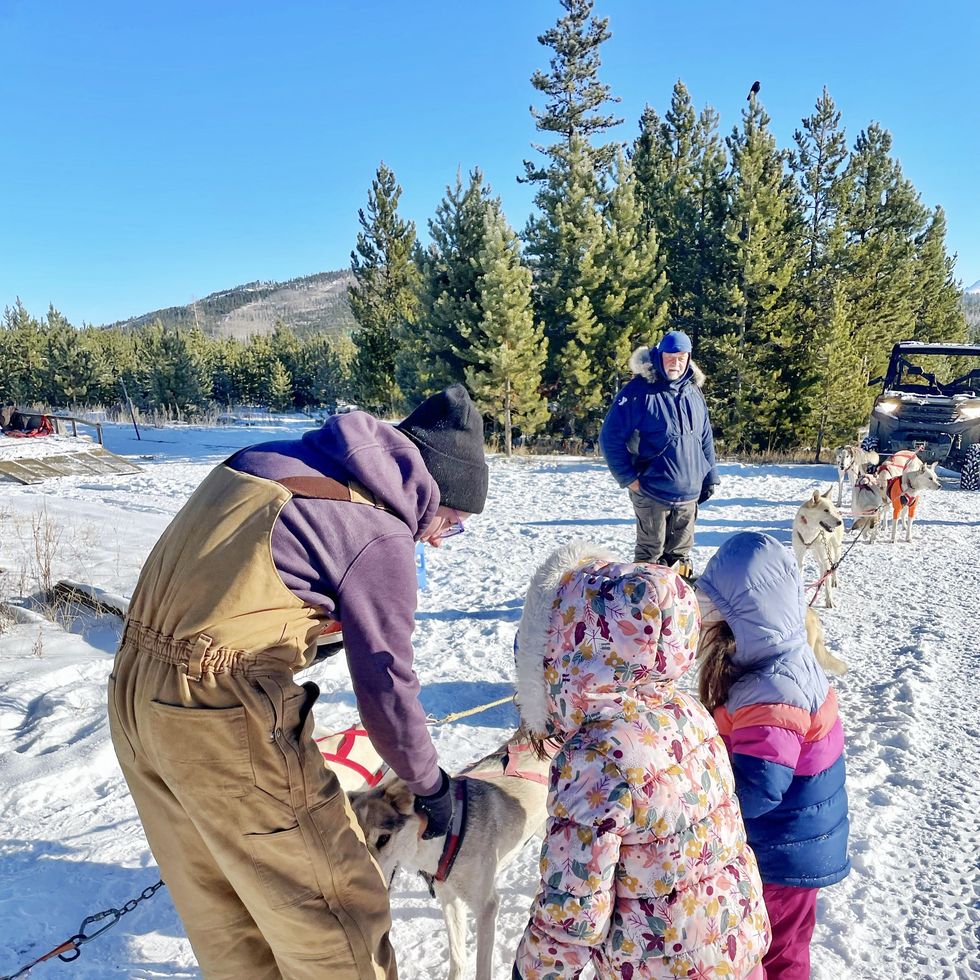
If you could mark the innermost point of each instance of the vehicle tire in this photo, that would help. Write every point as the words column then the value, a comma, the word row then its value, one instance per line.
column 870, row 444
column 970, row 474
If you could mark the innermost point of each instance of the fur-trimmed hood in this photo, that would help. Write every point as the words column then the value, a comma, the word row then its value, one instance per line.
column 641, row 364
column 597, row 636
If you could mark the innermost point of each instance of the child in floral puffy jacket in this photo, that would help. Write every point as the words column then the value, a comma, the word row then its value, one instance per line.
column 645, row 870
column 778, row 715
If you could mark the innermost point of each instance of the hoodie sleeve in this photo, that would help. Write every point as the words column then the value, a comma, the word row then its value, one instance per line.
column 614, row 437
column 590, row 809
column 376, row 602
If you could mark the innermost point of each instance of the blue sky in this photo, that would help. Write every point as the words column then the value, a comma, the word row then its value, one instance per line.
column 156, row 152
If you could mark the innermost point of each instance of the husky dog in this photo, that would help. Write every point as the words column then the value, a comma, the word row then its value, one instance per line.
column 903, row 478
column 853, row 461
column 819, row 527
column 867, row 507
column 506, row 796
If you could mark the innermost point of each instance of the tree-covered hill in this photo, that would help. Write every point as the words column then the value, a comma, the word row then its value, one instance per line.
column 310, row 304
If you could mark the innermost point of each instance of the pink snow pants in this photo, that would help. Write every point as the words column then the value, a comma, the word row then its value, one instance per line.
column 793, row 914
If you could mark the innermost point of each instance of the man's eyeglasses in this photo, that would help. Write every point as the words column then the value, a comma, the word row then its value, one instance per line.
column 455, row 528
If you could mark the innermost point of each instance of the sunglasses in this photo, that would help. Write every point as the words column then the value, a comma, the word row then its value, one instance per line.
column 455, row 528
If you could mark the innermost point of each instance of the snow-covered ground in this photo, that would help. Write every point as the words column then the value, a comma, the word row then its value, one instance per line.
column 71, row 845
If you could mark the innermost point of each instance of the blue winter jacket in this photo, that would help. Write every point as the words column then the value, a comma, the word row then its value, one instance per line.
column 658, row 431
column 780, row 721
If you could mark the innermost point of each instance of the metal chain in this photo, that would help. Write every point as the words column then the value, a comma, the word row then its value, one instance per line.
column 70, row 949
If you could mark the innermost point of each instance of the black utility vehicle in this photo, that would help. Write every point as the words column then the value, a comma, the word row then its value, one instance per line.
column 930, row 402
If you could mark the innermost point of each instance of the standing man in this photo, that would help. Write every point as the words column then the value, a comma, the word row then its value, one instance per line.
column 254, row 837
column 657, row 442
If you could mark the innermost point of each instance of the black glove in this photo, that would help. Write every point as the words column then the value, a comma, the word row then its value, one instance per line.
column 438, row 808
column 706, row 491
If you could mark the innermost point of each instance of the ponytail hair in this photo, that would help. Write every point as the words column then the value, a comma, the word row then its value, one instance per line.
column 716, row 671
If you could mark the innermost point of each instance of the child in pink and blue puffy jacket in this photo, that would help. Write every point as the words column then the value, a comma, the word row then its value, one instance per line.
column 778, row 715
column 645, row 869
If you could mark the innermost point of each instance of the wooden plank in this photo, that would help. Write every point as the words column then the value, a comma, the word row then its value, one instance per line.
column 92, row 461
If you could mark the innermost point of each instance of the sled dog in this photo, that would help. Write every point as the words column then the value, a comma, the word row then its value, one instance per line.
column 505, row 805
column 867, row 507
column 819, row 528
column 904, row 478
column 853, row 462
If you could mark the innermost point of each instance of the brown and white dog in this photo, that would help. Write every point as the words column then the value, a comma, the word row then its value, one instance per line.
column 818, row 529
column 853, row 462
column 505, row 805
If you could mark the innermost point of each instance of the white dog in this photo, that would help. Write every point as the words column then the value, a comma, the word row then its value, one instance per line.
column 505, row 805
column 867, row 507
column 852, row 461
column 903, row 479
column 819, row 528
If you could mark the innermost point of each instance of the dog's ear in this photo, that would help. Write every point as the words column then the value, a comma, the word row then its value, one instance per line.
column 814, row 501
column 400, row 797
column 827, row 492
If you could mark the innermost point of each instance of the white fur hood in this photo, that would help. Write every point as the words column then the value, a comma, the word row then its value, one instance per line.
column 532, row 639
column 600, row 636
column 641, row 364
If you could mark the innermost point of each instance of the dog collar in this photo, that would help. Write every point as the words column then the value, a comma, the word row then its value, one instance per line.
column 456, row 830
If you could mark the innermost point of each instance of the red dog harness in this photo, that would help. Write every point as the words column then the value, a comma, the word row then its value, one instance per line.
column 511, row 765
column 342, row 757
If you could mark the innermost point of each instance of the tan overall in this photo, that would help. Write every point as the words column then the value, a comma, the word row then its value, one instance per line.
column 253, row 836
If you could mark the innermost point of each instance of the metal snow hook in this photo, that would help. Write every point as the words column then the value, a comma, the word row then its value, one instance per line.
column 70, row 949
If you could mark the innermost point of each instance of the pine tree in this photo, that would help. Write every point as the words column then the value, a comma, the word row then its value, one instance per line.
column 25, row 382
column 821, row 150
column 76, row 371
column 565, row 236
column 681, row 166
column 761, row 362
column 508, row 350
column 881, row 215
column 383, row 298
column 840, row 396
column 939, row 313
column 577, row 97
column 450, row 304
column 175, row 377
column 631, row 291
column 279, row 388
column 564, row 245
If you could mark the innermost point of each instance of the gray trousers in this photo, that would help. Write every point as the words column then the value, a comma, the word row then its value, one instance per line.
column 664, row 532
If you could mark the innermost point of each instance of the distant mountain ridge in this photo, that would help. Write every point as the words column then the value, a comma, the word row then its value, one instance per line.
column 309, row 304
column 975, row 288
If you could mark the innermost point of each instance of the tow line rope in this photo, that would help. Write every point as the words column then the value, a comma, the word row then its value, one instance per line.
column 71, row 948
column 833, row 568
column 456, row 715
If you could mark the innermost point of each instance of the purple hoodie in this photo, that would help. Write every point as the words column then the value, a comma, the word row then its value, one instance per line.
column 358, row 563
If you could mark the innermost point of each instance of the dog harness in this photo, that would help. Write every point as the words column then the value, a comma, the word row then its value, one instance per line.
column 868, row 483
column 454, row 838
column 510, row 765
column 342, row 757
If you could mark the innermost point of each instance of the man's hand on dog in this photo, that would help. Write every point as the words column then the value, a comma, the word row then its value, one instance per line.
column 436, row 810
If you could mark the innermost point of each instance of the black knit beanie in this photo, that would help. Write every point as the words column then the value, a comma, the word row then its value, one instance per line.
column 448, row 429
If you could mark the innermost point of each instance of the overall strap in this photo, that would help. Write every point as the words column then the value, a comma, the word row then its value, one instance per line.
column 326, row 488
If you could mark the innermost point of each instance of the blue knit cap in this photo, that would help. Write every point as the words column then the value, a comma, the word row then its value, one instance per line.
column 675, row 342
